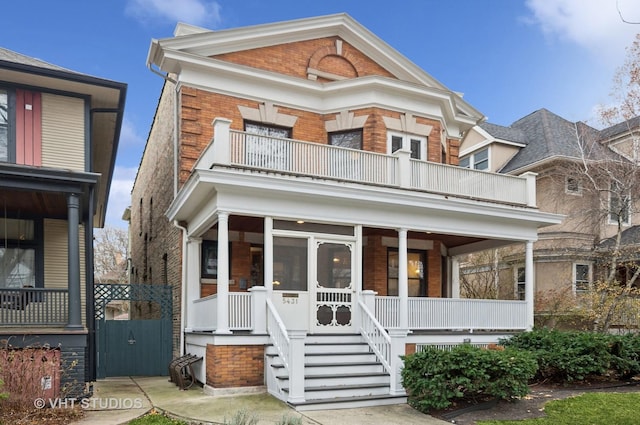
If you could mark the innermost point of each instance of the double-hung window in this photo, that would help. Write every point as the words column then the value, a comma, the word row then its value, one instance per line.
column 266, row 147
column 581, row 277
column 619, row 204
column 478, row 160
column 20, row 253
column 521, row 283
column 416, row 144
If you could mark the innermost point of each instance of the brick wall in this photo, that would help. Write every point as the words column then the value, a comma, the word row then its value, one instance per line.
column 409, row 349
column 231, row 366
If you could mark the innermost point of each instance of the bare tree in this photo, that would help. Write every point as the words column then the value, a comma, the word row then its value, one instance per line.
column 479, row 277
column 110, row 255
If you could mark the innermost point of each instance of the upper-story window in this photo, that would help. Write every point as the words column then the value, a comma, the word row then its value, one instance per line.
column 20, row 126
column 478, row 160
column 573, row 186
column 264, row 148
column 416, row 144
column 267, row 130
column 619, row 205
column 347, row 139
column 581, row 277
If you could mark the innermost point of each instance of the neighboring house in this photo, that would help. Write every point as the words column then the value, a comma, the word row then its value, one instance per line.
column 59, row 133
column 566, row 255
column 300, row 189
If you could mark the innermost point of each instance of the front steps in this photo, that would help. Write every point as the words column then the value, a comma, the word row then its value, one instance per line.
column 340, row 372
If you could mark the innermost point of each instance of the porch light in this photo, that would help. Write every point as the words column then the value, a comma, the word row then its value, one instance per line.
column 300, row 221
column 336, row 260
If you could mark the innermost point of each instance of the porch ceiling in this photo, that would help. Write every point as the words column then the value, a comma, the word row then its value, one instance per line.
column 19, row 203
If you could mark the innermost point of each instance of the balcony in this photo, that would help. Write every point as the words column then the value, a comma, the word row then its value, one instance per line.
column 238, row 149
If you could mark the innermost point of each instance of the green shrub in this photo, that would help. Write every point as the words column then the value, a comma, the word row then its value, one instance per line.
column 290, row 420
column 565, row 356
column 242, row 417
column 435, row 378
column 3, row 395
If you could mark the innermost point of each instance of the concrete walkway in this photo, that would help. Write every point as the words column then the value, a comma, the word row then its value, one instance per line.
column 118, row 400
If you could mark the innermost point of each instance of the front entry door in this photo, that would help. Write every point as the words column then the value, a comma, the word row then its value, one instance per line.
column 332, row 286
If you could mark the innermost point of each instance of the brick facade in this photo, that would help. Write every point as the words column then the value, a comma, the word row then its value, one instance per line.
column 230, row 366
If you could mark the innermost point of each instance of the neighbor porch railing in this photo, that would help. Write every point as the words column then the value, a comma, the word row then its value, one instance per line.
column 34, row 307
column 245, row 150
column 454, row 313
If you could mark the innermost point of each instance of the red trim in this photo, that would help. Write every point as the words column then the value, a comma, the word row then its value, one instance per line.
column 37, row 129
column 28, row 128
column 20, row 126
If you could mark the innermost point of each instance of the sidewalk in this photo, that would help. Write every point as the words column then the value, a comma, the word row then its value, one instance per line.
column 119, row 400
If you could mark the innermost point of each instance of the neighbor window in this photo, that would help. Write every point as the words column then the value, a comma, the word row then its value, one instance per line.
column 20, row 253
column 520, row 283
column 619, row 204
column 573, row 186
column 478, row 160
column 416, row 144
column 351, row 139
column 581, row 277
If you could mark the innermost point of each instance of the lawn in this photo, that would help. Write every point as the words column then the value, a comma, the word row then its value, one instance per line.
column 587, row 409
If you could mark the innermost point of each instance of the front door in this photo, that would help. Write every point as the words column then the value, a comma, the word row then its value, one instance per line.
column 332, row 286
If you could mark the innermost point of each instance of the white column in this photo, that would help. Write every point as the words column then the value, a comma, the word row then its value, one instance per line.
column 223, row 273
column 403, row 279
column 455, row 277
column 531, row 187
column 398, row 344
column 404, row 167
column 268, row 255
column 528, row 282
column 192, row 283
column 357, row 277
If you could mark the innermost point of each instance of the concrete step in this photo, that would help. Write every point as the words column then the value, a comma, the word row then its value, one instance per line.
column 340, row 391
column 349, row 402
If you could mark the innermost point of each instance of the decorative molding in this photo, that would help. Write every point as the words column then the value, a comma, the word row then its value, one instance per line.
column 407, row 124
column 336, row 50
column 267, row 113
column 345, row 120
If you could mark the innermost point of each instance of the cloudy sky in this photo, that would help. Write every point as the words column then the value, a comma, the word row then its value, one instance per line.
column 508, row 57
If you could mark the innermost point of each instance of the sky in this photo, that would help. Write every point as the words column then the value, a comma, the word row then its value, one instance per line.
column 508, row 57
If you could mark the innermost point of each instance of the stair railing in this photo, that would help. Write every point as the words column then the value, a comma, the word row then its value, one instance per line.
column 278, row 333
column 376, row 336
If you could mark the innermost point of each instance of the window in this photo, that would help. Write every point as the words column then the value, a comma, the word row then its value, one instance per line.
column 573, row 186
column 209, row 261
column 20, row 253
column 521, row 283
column 351, row 139
column 289, row 264
column 267, row 130
column 581, row 277
column 416, row 272
column 264, row 148
column 619, row 204
column 478, row 160
column 20, row 126
column 416, row 144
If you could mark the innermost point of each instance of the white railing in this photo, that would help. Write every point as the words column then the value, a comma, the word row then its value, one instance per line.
column 388, row 311
column 451, row 180
column 205, row 316
column 454, row 313
column 278, row 333
column 240, row 317
column 376, row 336
column 313, row 159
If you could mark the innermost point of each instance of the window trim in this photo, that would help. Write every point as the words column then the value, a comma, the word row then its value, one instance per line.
column 406, row 143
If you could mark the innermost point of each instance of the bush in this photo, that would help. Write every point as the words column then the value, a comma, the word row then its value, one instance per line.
column 435, row 378
column 575, row 356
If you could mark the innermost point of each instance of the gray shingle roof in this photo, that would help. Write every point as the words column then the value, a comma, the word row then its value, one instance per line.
column 628, row 238
column 505, row 133
column 7, row 55
column 623, row 127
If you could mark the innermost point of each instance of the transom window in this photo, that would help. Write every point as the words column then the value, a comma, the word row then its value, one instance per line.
column 416, row 144
column 477, row 161
column 351, row 139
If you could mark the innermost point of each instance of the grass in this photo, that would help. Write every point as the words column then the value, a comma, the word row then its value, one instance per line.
column 587, row 409
column 155, row 418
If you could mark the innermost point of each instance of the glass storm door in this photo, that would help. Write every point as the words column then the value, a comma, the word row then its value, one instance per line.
column 333, row 287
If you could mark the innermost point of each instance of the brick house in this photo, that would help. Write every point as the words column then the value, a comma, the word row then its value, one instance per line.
column 300, row 189
column 566, row 255
column 59, row 133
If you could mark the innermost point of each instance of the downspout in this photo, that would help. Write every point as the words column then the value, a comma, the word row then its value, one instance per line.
column 183, row 286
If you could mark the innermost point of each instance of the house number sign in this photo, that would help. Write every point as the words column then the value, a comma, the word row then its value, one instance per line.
column 289, row 298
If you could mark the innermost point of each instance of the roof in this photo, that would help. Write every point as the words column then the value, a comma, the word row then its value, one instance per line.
column 620, row 128
column 15, row 57
column 505, row 133
column 628, row 238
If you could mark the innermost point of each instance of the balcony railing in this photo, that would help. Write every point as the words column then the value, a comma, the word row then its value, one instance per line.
column 271, row 154
column 454, row 313
column 33, row 307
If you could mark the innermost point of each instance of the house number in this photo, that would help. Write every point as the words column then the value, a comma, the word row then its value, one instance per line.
column 287, row 300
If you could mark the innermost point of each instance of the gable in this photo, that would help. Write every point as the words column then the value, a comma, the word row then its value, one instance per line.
column 323, row 59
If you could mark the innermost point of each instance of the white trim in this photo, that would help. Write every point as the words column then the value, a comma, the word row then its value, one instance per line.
column 472, row 162
column 406, row 143
column 267, row 113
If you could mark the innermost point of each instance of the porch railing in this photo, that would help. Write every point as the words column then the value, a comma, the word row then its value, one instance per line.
column 280, row 155
column 375, row 335
column 240, row 312
column 454, row 313
column 278, row 332
column 34, row 307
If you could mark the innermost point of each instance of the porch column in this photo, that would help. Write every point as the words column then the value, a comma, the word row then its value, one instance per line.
column 223, row 274
column 403, row 279
column 296, row 366
column 268, row 255
column 398, row 344
column 74, row 320
column 528, row 282
column 192, row 282
column 455, row 277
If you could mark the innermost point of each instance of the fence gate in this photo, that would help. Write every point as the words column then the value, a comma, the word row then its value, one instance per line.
column 135, row 347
